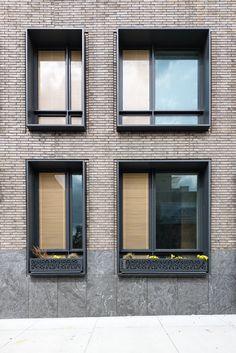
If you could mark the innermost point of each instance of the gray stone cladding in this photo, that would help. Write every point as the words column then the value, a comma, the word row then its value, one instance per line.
column 101, row 292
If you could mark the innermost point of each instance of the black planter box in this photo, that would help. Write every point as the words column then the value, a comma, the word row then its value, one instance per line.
column 56, row 266
column 163, row 266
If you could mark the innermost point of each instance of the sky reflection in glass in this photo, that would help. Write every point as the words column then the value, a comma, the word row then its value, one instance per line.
column 176, row 82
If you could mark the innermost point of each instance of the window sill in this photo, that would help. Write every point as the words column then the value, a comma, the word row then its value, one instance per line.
column 58, row 267
column 51, row 128
column 180, row 267
column 133, row 128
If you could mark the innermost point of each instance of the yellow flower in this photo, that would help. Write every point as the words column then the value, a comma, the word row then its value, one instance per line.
column 58, row 257
column 174, row 257
column 153, row 257
column 202, row 257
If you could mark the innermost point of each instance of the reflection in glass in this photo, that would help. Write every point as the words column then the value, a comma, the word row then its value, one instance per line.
column 135, row 218
column 76, row 70
column 51, row 80
column 52, row 221
column 176, row 119
column 136, row 120
column 51, row 120
column 176, row 82
column 176, row 211
column 77, row 211
column 136, row 79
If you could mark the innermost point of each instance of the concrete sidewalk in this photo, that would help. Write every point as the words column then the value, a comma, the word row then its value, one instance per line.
column 161, row 334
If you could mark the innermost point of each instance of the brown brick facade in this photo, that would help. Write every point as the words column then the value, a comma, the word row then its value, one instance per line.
column 101, row 145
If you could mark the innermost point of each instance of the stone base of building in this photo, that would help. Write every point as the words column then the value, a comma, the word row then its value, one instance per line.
column 102, row 293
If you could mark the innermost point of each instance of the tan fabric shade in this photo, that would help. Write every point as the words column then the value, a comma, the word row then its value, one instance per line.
column 51, row 120
column 135, row 211
column 51, row 79
column 52, row 214
column 76, row 72
column 136, row 79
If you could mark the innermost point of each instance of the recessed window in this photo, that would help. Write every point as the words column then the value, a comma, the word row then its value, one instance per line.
column 55, row 86
column 163, row 209
column 56, row 216
column 163, row 79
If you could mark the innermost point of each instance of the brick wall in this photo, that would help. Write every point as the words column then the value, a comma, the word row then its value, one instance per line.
column 101, row 145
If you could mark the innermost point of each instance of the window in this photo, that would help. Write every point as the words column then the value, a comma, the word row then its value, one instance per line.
column 163, row 79
column 163, row 209
column 56, row 216
column 55, row 79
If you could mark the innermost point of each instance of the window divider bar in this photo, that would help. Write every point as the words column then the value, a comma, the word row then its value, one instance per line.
column 135, row 112
column 68, row 79
column 154, row 112
column 50, row 112
column 152, row 85
column 178, row 112
column 162, row 251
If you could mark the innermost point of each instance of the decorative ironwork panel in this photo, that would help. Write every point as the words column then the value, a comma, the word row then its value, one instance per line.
column 56, row 265
column 163, row 266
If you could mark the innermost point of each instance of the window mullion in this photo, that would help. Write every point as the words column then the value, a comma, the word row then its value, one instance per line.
column 68, row 213
column 152, row 85
column 153, row 212
column 68, row 79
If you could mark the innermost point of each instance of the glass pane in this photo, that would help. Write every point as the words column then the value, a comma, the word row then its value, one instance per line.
column 176, row 82
column 136, row 79
column 77, row 211
column 51, row 80
column 51, row 120
column 176, row 211
column 135, row 211
column 76, row 120
column 135, row 120
column 176, row 119
column 76, row 72
column 52, row 214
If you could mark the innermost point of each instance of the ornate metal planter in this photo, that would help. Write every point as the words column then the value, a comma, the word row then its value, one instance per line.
column 163, row 266
column 56, row 266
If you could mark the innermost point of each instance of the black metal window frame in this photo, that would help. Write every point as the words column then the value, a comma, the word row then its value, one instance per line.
column 178, row 41
column 68, row 167
column 66, row 40
column 200, row 167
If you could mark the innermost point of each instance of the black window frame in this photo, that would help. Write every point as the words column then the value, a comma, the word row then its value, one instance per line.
column 38, row 39
column 200, row 167
column 69, row 167
column 167, row 40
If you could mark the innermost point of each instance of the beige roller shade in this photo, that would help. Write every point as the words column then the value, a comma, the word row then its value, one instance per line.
column 52, row 214
column 76, row 73
column 136, row 120
column 135, row 210
column 51, row 79
column 51, row 120
column 136, row 79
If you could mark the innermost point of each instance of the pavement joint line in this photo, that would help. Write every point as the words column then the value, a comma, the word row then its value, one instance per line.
column 166, row 332
column 91, row 335
column 20, row 333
